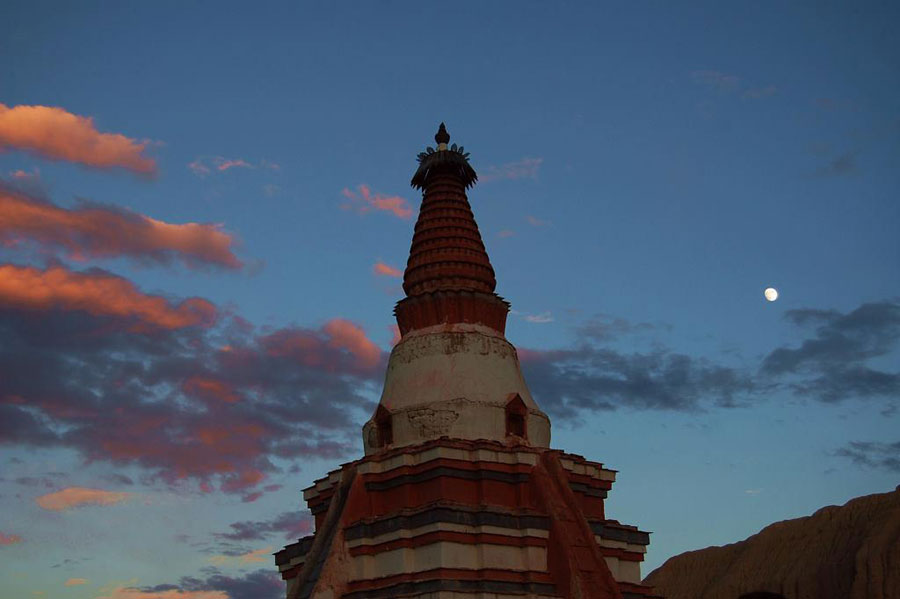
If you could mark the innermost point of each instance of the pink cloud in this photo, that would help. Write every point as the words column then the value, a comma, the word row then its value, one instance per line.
column 97, row 293
column 236, row 163
column 210, row 388
column 73, row 582
column 365, row 201
column 382, row 269
column 198, row 168
column 60, row 135
column 6, row 539
column 197, row 406
column 20, row 175
column 505, row 233
column 79, row 496
column 243, row 480
column 338, row 335
column 526, row 168
column 530, row 355
column 536, row 222
column 97, row 231
column 251, row 497
column 351, row 337
column 258, row 556
column 204, row 165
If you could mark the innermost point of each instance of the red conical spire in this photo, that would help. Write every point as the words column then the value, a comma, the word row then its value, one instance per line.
column 448, row 278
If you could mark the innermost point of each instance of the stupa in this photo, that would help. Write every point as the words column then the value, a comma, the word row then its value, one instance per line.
column 458, row 495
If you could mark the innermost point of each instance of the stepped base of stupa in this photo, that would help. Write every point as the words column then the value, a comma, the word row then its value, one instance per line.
column 457, row 519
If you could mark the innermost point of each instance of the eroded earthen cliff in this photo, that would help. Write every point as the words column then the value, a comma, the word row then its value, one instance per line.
column 846, row 552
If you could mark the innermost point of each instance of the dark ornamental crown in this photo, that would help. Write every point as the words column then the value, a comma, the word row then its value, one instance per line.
column 446, row 159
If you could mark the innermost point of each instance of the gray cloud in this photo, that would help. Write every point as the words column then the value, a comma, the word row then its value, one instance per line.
column 836, row 360
column 260, row 584
column 603, row 327
column 717, row 81
column 723, row 83
column 292, row 525
column 591, row 378
column 839, row 166
column 883, row 456
column 834, row 363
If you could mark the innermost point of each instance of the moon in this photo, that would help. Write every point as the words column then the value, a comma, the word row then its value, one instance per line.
column 771, row 294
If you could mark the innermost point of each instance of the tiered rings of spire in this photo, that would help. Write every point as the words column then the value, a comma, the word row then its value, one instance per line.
column 449, row 277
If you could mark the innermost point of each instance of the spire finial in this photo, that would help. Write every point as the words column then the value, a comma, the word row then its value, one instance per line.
column 442, row 137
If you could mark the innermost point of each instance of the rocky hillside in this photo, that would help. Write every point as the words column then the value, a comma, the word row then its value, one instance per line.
column 846, row 552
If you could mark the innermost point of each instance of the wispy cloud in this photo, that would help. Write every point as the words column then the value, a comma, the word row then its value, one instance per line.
column 21, row 175
column 9, row 539
column 385, row 270
column 289, row 525
column 169, row 593
column 363, row 201
column 716, row 80
column 206, row 165
column 831, row 104
column 71, row 497
column 199, row 168
column 260, row 584
column 91, row 230
column 840, row 166
column 60, row 135
column 536, row 222
column 251, row 557
column 526, row 168
column 234, row 163
column 760, row 92
column 74, row 582
column 505, row 233
column 603, row 327
column 542, row 318
column 724, row 83
column 882, row 456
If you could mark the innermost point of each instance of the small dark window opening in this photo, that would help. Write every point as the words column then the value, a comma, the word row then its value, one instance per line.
column 516, row 413
column 384, row 426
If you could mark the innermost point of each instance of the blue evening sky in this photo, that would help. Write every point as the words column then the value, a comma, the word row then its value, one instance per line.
column 647, row 170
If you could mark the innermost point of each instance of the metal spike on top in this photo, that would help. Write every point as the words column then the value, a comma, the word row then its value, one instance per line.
column 442, row 136
column 451, row 159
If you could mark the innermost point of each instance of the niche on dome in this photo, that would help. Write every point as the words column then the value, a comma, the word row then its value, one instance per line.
column 516, row 417
column 384, row 427
column 761, row 595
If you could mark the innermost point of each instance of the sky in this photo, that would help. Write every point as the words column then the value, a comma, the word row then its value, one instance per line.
column 205, row 207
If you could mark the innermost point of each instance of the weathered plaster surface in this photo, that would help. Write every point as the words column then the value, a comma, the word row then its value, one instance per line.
column 454, row 381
